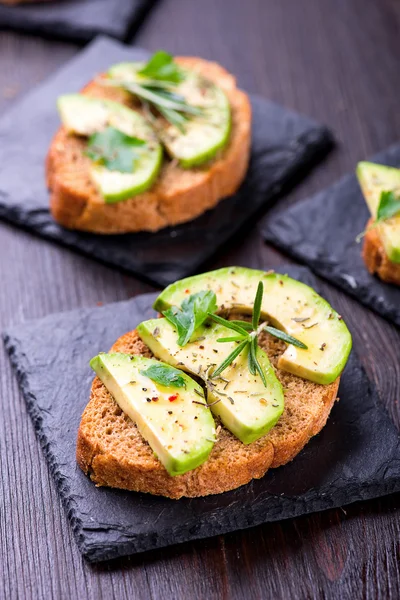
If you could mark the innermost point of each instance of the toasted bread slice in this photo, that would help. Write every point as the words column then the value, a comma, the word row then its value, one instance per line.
column 178, row 195
column 376, row 259
column 113, row 453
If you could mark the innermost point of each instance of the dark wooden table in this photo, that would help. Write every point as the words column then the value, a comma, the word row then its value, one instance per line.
column 337, row 61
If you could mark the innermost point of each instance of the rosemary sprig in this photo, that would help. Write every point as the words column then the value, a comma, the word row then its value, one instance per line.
column 253, row 358
column 224, row 322
column 289, row 339
column 257, row 305
column 245, row 324
column 234, row 338
column 248, row 338
column 155, row 84
column 229, row 359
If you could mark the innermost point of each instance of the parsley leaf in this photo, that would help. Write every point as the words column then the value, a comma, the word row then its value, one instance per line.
column 164, row 375
column 161, row 66
column 114, row 150
column 389, row 206
column 193, row 312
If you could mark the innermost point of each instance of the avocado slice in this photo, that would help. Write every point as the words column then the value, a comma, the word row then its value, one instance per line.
column 84, row 116
column 288, row 305
column 180, row 432
column 375, row 179
column 202, row 136
column 245, row 406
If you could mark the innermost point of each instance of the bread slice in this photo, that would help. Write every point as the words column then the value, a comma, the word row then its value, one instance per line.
column 178, row 195
column 113, row 453
column 376, row 259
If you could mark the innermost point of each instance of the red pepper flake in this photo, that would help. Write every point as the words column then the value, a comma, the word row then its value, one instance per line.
column 155, row 398
column 173, row 398
column 187, row 291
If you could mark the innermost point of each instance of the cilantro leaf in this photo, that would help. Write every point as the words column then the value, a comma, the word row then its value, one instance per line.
column 161, row 66
column 114, row 150
column 164, row 375
column 192, row 313
column 389, row 206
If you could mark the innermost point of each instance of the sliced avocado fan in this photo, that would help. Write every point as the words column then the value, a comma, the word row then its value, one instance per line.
column 192, row 139
column 288, row 305
column 375, row 179
column 245, row 406
column 114, row 131
column 167, row 406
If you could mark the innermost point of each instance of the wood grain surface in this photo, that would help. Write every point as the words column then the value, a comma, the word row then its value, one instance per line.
column 338, row 62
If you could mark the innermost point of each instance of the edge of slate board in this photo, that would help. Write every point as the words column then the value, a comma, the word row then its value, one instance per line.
column 13, row 19
column 123, row 542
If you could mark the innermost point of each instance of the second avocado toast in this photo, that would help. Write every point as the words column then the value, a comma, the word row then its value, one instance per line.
column 230, row 399
column 380, row 185
column 148, row 145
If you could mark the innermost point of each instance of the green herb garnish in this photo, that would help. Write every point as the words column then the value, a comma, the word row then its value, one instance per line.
column 165, row 375
column 289, row 339
column 388, row 207
column 155, row 87
column 114, row 150
column 247, row 338
column 162, row 67
column 192, row 313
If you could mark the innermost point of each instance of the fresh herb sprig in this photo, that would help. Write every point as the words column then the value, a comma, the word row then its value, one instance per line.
column 164, row 375
column 114, row 149
column 162, row 67
column 155, row 85
column 192, row 313
column 388, row 207
column 247, row 338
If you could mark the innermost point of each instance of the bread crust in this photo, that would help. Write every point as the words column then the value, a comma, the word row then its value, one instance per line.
column 113, row 453
column 376, row 259
column 177, row 196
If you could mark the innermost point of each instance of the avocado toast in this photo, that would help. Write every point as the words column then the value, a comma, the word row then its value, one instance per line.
column 204, row 141
column 245, row 374
column 380, row 185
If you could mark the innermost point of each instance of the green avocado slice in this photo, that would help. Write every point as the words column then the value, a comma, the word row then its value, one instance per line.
column 245, row 406
column 84, row 116
column 202, row 136
column 179, row 429
column 288, row 305
column 375, row 179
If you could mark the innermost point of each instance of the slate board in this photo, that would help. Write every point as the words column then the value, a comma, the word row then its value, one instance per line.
column 321, row 232
column 356, row 456
column 285, row 146
column 76, row 20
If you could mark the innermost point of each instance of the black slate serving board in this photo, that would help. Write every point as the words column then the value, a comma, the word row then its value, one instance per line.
column 284, row 147
column 356, row 456
column 76, row 20
column 321, row 232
